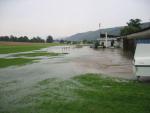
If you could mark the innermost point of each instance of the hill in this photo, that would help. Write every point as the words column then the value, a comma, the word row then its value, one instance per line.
column 93, row 35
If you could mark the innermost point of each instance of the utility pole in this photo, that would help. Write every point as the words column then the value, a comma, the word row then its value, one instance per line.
column 106, row 39
column 100, row 30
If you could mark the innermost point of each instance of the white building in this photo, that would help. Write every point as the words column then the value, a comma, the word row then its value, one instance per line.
column 108, row 40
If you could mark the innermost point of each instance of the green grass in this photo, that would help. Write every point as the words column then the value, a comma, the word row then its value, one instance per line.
column 5, row 62
column 14, row 61
column 4, row 49
column 37, row 54
column 89, row 93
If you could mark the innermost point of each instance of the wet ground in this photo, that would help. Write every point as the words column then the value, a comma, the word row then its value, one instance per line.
column 79, row 60
column 111, row 62
column 17, row 82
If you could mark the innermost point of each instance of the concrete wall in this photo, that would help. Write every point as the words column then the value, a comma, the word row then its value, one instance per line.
column 108, row 41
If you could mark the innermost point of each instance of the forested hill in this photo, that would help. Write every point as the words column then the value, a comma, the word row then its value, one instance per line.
column 93, row 35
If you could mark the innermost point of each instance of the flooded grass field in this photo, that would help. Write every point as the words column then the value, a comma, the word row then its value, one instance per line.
column 57, row 85
column 13, row 47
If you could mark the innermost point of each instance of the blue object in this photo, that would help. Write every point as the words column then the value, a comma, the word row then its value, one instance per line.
column 143, row 41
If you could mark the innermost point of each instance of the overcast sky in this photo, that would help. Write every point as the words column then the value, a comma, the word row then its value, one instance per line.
column 61, row 18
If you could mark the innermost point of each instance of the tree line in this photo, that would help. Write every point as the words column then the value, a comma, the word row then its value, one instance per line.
column 26, row 39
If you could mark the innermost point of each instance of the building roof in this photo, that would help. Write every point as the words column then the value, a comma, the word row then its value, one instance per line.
column 144, row 33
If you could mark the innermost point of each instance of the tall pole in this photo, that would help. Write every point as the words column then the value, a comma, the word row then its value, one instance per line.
column 99, row 30
column 106, row 39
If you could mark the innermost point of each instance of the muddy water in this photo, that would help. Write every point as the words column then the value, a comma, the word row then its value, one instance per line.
column 19, row 81
column 79, row 60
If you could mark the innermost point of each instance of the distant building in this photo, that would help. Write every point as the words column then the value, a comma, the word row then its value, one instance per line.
column 108, row 40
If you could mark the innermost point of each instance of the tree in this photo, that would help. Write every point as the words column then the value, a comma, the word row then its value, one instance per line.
column 13, row 38
column 84, row 41
column 61, row 41
column 96, row 44
column 23, row 39
column 134, row 25
column 49, row 39
column 37, row 40
column 4, row 38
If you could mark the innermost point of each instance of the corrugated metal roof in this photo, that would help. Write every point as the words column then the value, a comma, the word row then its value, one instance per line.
column 143, row 34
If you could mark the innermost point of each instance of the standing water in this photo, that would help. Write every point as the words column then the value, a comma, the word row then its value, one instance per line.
column 17, row 82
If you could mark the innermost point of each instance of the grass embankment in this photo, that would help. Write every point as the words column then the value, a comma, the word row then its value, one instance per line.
column 23, row 47
column 89, row 93
column 15, row 61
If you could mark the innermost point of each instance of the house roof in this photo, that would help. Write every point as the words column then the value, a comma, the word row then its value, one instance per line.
column 144, row 33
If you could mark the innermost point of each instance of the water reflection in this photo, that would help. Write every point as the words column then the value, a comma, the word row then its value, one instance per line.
column 79, row 61
column 113, row 62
